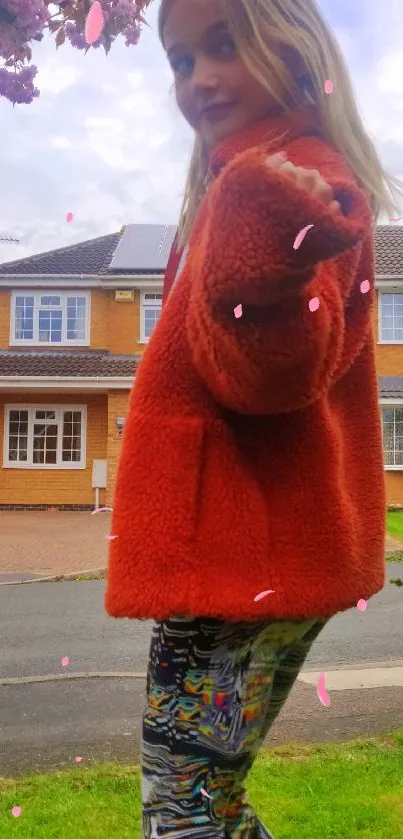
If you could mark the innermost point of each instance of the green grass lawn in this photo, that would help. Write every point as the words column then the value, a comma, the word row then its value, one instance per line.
column 394, row 524
column 348, row 791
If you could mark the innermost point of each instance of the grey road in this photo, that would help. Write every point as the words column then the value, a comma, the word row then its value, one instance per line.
column 49, row 713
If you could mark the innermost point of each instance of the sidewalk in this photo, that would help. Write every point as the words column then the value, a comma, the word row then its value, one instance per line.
column 48, row 543
column 393, row 546
column 79, row 725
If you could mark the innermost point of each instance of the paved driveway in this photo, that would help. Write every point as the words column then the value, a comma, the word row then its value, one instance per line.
column 49, row 542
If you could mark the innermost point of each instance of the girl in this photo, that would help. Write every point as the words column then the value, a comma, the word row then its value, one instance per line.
column 250, row 502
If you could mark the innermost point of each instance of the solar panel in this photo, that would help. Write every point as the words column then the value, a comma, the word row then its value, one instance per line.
column 144, row 247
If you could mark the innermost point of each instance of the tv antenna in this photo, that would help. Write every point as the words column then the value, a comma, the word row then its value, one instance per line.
column 10, row 240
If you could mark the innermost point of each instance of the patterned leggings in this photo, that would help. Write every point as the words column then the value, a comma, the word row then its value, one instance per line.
column 213, row 691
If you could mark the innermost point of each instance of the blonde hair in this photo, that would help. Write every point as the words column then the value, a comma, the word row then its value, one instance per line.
column 299, row 29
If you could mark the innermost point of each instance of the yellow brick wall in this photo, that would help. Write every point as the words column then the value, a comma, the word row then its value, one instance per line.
column 118, row 404
column 116, row 327
column 99, row 335
column 124, row 325
column 56, row 486
column 394, row 487
column 389, row 362
column 5, row 298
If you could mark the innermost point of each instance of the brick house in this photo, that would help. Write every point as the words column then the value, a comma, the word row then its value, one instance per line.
column 74, row 324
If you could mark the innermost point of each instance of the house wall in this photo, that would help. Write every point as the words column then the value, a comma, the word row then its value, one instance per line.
column 118, row 405
column 5, row 299
column 124, row 325
column 56, row 486
column 389, row 362
column 116, row 327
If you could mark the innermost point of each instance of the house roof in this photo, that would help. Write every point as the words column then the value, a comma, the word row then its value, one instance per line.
column 137, row 248
column 93, row 363
column 144, row 248
column 389, row 249
column 51, row 363
column 390, row 386
column 91, row 257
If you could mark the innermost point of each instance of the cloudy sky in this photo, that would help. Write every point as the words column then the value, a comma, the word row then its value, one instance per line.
column 105, row 140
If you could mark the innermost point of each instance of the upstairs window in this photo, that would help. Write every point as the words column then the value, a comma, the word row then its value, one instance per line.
column 151, row 304
column 57, row 319
column 390, row 318
column 392, row 427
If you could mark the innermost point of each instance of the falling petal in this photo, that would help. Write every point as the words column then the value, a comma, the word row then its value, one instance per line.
column 314, row 304
column 94, row 23
column 264, row 594
column 329, row 86
column 110, row 538
column 396, row 219
column 238, row 311
column 206, row 795
column 365, row 287
column 78, row 759
column 362, row 605
column 69, row 217
column 301, row 236
column 16, row 811
column 101, row 510
column 65, row 661
column 321, row 690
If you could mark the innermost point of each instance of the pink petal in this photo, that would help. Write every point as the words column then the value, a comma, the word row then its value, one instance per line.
column 396, row 219
column 94, row 23
column 301, row 236
column 16, row 811
column 69, row 217
column 101, row 510
column 65, row 661
column 362, row 605
column 365, row 286
column 264, row 594
column 78, row 759
column 314, row 304
column 321, row 690
column 238, row 311
column 206, row 795
column 110, row 538
column 329, row 86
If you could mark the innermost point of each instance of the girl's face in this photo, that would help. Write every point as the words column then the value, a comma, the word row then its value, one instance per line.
column 214, row 91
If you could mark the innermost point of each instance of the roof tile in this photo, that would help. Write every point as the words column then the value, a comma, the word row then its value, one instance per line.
column 389, row 249
column 95, row 256
column 78, row 363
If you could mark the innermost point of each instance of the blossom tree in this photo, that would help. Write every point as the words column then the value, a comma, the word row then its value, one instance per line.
column 25, row 21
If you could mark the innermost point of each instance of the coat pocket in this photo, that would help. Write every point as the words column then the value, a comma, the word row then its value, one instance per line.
column 159, row 476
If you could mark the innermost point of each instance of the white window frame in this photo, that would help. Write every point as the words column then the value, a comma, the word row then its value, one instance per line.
column 144, row 304
column 380, row 294
column 59, row 409
column 63, row 294
column 389, row 403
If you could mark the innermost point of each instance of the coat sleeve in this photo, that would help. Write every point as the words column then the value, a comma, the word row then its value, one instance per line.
column 279, row 356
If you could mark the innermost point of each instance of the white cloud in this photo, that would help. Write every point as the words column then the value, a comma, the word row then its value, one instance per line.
column 61, row 142
column 56, row 75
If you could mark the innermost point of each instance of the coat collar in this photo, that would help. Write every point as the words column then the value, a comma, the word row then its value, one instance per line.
column 275, row 128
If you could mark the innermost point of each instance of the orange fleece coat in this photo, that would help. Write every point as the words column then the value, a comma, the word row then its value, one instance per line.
column 252, row 455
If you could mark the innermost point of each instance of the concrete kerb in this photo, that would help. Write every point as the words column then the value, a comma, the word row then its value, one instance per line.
column 100, row 574
column 92, row 574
